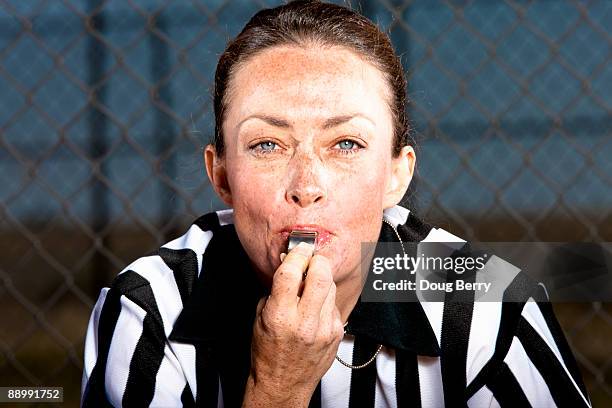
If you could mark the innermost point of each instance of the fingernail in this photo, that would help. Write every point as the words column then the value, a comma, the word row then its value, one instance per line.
column 282, row 256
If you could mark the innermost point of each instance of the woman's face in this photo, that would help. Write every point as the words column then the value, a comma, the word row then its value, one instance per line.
column 308, row 136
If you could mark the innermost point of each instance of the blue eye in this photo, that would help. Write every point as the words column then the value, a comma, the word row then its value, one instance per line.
column 264, row 147
column 267, row 145
column 347, row 145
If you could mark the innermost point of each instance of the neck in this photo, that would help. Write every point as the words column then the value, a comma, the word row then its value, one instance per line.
column 347, row 294
column 349, row 289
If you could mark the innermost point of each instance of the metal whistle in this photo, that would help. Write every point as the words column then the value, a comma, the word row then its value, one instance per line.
column 298, row 236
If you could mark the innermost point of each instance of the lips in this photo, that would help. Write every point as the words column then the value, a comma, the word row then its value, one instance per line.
column 324, row 236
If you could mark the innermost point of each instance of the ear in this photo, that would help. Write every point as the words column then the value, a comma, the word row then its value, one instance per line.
column 402, row 170
column 217, row 174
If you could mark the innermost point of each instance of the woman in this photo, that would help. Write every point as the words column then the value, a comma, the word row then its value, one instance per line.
column 310, row 135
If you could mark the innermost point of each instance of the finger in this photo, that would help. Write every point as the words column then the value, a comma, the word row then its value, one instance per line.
column 316, row 288
column 327, row 314
column 288, row 277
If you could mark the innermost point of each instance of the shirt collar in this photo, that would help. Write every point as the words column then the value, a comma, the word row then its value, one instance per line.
column 223, row 302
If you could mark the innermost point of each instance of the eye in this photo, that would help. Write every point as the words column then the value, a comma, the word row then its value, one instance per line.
column 347, row 146
column 264, row 147
column 267, row 145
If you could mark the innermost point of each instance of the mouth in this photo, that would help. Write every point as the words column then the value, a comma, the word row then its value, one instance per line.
column 324, row 236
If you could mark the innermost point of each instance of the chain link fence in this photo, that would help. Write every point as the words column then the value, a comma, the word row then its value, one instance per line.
column 105, row 107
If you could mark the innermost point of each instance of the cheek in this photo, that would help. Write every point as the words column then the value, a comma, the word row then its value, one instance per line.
column 358, row 204
column 362, row 188
column 255, row 197
column 254, row 189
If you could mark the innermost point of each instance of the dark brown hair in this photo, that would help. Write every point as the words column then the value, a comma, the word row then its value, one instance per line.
column 304, row 22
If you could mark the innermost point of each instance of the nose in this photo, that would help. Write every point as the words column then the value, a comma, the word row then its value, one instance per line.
column 306, row 184
column 306, row 196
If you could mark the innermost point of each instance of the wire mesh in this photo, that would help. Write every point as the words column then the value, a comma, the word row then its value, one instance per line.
column 105, row 107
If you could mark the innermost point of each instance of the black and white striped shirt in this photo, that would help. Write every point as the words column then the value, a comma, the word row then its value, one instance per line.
column 174, row 329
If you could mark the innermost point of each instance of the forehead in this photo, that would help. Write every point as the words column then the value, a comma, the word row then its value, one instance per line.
column 309, row 80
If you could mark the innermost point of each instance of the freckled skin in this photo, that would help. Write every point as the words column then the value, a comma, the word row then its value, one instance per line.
column 302, row 174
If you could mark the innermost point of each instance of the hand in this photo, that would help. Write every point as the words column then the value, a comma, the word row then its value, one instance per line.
column 296, row 333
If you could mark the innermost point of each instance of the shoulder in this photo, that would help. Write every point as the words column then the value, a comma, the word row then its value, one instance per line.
column 161, row 282
column 510, row 335
column 127, row 341
column 488, row 324
column 515, row 284
column 414, row 228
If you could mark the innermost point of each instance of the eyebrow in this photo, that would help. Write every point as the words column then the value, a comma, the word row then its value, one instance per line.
column 328, row 124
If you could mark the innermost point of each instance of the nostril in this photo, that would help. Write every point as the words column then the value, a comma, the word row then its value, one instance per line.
column 318, row 199
column 295, row 199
